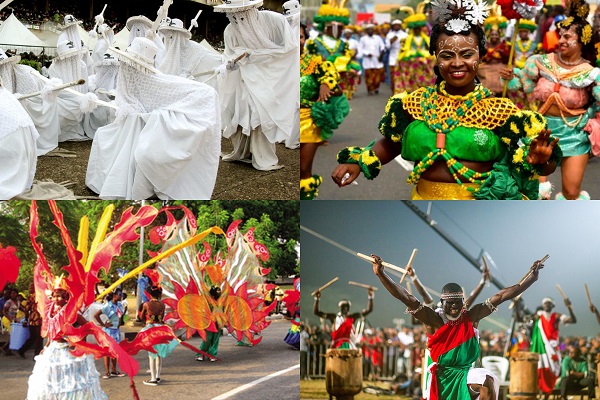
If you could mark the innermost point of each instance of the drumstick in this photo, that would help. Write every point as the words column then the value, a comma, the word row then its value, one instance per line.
column 388, row 265
column 412, row 257
column 325, row 285
column 561, row 292
column 547, row 256
column 486, row 268
column 587, row 293
column 362, row 285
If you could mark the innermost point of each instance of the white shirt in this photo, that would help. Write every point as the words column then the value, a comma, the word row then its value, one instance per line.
column 374, row 46
column 394, row 48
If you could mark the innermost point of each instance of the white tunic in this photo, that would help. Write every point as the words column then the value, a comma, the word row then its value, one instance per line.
column 394, row 48
column 372, row 46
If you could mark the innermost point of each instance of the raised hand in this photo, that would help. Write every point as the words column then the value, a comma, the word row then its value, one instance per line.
column 540, row 149
column 377, row 265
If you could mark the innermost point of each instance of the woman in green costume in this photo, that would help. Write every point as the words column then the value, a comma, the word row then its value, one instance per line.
column 466, row 144
column 453, row 338
column 322, row 108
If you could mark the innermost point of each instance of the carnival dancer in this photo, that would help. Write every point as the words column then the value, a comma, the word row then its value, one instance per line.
column 351, row 77
column 185, row 57
column 465, row 143
column 392, row 44
column 57, row 373
column 565, row 83
column 165, row 140
column 291, row 10
column 545, row 341
column 292, row 303
column 525, row 47
column 496, row 57
column 68, row 67
column 153, row 312
column 330, row 21
column 370, row 49
column 322, row 109
column 22, row 79
column 415, row 62
column 259, row 96
column 70, row 33
column 453, row 338
column 210, row 345
column 138, row 26
column 17, row 146
column 344, row 335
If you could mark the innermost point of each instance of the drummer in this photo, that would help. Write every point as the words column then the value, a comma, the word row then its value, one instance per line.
column 344, row 334
column 453, row 335
column 546, row 344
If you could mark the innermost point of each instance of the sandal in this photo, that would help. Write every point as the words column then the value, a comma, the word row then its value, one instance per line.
column 106, row 376
column 117, row 373
column 150, row 382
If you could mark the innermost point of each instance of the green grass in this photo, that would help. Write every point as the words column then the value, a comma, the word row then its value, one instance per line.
column 315, row 389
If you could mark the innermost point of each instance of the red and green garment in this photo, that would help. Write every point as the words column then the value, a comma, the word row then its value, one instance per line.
column 341, row 336
column 454, row 347
column 543, row 338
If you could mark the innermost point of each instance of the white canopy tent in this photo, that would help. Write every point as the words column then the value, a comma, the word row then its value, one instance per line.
column 122, row 39
column 14, row 35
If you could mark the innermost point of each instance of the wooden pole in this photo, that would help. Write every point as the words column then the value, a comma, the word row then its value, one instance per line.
column 587, row 293
column 512, row 54
column 331, row 282
column 532, row 268
column 385, row 264
column 59, row 87
column 564, row 296
column 410, row 261
column 362, row 285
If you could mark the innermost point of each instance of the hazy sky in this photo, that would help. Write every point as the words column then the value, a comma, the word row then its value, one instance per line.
column 513, row 233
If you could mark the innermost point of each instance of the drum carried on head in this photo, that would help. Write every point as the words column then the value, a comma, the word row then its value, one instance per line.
column 18, row 335
column 343, row 373
column 523, row 376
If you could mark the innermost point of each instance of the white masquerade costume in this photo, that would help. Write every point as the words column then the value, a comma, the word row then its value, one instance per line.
column 102, row 44
column 69, row 68
column 18, row 78
column 138, row 29
column 293, row 142
column 259, row 100
column 186, row 58
column 165, row 141
column 17, row 147
column 71, row 34
column 104, row 80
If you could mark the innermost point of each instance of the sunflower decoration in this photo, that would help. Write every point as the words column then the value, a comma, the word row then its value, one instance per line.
column 333, row 11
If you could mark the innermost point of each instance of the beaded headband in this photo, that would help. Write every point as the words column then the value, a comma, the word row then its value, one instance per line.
column 452, row 295
column 459, row 15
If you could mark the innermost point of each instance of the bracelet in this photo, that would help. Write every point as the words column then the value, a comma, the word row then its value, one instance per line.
column 364, row 157
column 413, row 312
column 489, row 305
column 308, row 187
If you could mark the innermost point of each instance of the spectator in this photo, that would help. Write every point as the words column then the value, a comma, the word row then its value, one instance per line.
column 304, row 337
column 34, row 320
column 9, row 311
column 574, row 373
column 113, row 310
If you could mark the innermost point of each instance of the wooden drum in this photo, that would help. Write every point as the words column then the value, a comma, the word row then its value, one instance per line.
column 343, row 373
column 523, row 376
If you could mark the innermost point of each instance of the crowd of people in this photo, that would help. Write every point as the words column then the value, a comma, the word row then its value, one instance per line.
column 155, row 88
column 414, row 56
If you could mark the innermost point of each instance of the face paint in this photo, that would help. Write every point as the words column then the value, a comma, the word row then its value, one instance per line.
column 458, row 58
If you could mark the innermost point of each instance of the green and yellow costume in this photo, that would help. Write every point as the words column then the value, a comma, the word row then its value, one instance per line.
column 432, row 125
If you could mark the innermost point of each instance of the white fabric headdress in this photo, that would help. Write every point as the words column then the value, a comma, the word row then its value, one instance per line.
column 459, row 15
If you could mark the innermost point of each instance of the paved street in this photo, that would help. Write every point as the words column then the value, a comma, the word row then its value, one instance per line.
column 184, row 378
column 360, row 128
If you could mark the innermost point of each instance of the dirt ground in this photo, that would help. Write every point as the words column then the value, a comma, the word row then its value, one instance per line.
column 235, row 180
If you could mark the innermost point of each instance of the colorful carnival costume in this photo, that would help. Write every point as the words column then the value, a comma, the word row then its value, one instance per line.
column 318, row 119
column 292, row 302
column 523, row 50
column 432, row 125
column 454, row 348
column 496, row 57
column 334, row 49
column 568, row 89
column 414, row 66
